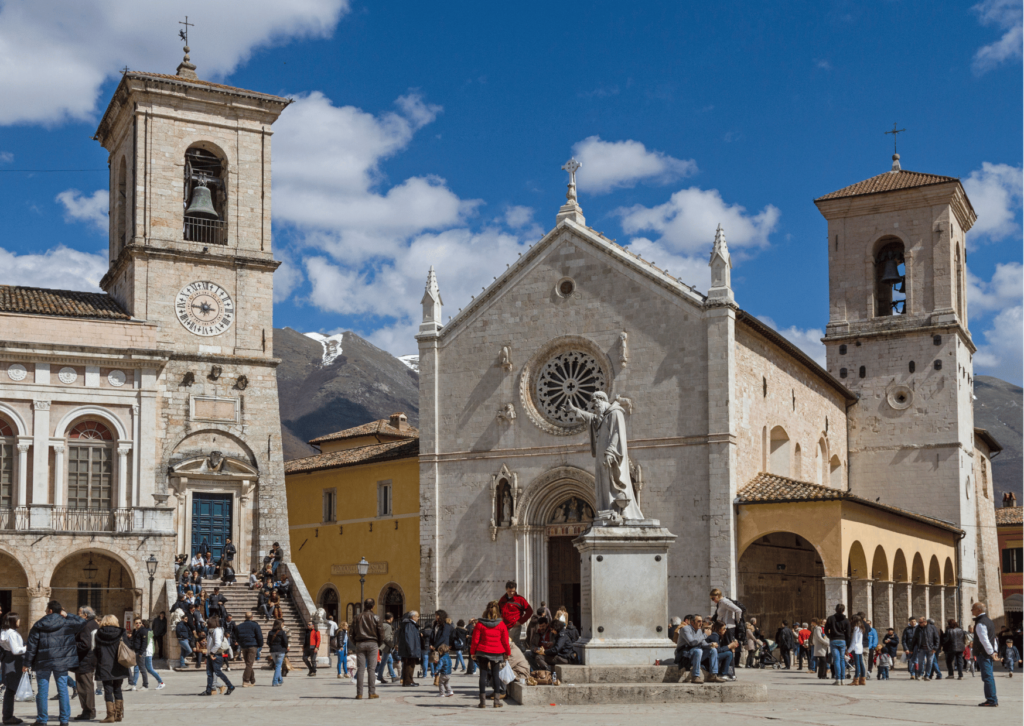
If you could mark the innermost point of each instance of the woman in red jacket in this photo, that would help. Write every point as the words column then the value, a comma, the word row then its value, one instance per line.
column 490, row 649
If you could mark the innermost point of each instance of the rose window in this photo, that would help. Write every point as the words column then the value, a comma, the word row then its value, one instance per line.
column 571, row 378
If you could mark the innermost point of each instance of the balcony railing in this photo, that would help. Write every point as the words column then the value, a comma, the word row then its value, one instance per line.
column 205, row 231
column 14, row 518
column 66, row 519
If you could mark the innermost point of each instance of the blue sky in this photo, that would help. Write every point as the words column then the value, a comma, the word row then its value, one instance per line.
column 434, row 134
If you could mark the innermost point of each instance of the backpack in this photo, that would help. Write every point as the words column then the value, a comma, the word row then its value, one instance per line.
column 458, row 640
column 742, row 619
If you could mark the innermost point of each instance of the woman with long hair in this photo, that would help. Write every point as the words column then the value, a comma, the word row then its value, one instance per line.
column 490, row 648
column 277, row 641
column 856, row 649
column 12, row 648
column 109, row 670
column 216, row 646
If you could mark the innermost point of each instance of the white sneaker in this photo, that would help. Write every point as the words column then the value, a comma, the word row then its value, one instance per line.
column 160, row 687
column 837, row 682
column 133, row 688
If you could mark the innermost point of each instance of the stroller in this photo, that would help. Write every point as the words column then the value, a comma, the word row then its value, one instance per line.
column 764, row 656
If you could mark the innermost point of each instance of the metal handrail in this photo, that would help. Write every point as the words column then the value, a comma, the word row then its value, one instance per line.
column 67, row 519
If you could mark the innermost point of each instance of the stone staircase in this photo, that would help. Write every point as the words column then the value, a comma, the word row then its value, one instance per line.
column 241, row 600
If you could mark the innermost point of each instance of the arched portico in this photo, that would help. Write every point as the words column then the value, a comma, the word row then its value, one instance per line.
column 553, row 511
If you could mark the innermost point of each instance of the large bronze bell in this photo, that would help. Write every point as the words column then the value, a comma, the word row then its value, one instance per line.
column 891, row 274
column 201, row 205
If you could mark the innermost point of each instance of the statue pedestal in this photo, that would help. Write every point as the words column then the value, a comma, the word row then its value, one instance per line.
column 624, row 590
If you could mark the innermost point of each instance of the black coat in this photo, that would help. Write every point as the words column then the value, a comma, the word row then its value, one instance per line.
column 107, row 666
column 837, row 627
column 278, row 641
column 85, row 644
column 159, row 628
column 954, row 641
column 182, row 631
column 408, row 640
column 250, row 635
column 140, row 640
column 784, row 638
column 51, row 643
column 229, row 552
column 441, row 634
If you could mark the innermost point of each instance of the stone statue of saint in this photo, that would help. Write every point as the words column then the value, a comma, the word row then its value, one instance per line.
column 607, row 421
column 506, row 509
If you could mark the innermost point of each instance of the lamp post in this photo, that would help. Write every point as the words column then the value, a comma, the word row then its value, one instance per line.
column 151, row 565
column 362, row 568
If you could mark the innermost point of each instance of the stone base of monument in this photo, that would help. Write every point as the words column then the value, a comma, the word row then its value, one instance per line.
column 624, row 594
column 587, row 685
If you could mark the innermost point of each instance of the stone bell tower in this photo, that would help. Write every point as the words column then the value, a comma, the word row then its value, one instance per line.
column 897, row 336
column 191, row 254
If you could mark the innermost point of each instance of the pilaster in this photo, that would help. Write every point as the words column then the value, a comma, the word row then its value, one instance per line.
column 721, row 322
column 41, row 449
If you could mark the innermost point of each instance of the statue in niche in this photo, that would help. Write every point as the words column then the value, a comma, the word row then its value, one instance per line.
column 616, row 501
column 506, row 508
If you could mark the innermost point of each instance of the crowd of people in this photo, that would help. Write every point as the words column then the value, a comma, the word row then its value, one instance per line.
column 89, row 656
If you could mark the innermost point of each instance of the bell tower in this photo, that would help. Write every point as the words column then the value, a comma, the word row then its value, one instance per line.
column 897, row 336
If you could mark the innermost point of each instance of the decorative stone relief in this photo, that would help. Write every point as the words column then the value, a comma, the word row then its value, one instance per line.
column 67, row 375
column 215, row 372
column 507, row 413
column 571, row 511
column 623, row 349
column 41, row 405
column 242, row 383
column 16, row 372
column 899, row 397
column 116, row 378
column 506, row 357
column 505, row 494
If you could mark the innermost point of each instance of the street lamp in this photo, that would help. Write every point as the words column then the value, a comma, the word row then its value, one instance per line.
column 151, row 564
column 362, row 568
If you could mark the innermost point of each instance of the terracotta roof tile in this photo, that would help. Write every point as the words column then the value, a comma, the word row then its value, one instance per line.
column 1009, row 515
column 208, row 84
column 890, row 181
column 382, row 427
column 371, row 454
column 769, row 488
column 60, row 303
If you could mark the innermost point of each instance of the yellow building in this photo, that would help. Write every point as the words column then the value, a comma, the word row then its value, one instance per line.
column 359, row 497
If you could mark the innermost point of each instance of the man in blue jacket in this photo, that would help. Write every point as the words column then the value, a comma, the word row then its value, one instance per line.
column 869, row 654
column 52, row 650
column 250, row 640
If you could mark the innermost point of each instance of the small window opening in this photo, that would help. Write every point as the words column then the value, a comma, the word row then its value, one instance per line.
column 913, row 366
column 936, row 340
column 938, row 365
column 764, row 386
column 842, row 349
column 862, row 372
column 842, row 373
column 205, row 198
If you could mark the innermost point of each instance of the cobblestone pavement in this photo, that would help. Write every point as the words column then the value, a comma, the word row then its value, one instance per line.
column 797, row 698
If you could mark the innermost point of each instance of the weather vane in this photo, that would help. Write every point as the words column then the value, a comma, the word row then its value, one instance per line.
column 894, row 132
column 183, row 34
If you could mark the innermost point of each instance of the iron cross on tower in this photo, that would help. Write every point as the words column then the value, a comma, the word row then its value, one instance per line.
column 183, row 34
column 894, row 132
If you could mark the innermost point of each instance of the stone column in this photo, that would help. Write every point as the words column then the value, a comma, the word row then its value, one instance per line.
column 721, row 322
column 835, row 593
column 38, row 597
column 903, row 604
column 58, row 472
column 936, row 605
column 861, row 597
column 40, row 452
column 24, row 444
column 123, row 449
column 881, row 605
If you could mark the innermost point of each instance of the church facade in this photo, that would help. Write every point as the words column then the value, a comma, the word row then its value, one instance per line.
column 788, row 485
column 143, row 422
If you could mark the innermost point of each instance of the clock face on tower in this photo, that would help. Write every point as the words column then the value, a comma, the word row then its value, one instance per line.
column 204, row 308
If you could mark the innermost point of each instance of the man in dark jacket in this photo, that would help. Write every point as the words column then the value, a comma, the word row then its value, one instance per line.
column 408, row 642
column 560, row 652
column 183, row 633
column 785, row 640
column 217, row 603
column 51, row 649
column 159, row 633
column 250, row 640
column 907, row 641
column 953, row 643
column 925, row 645
column 368, row 636
column 839, row 633
column 85, row 646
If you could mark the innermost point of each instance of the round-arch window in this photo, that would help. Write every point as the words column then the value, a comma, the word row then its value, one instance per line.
column 5, row 428
column 91, row 430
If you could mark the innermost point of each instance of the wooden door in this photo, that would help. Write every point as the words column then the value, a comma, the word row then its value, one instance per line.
column 564, row 577
column 211, row 522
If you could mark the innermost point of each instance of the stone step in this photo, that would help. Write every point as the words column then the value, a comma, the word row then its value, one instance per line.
column 586, row 694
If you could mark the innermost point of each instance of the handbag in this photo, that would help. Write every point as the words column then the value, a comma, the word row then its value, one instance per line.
column 125, row 655
column 24, row 692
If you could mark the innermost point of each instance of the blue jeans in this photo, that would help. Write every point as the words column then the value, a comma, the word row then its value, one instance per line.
column 1011, row 658
column 43, row 694
column 838, row 660
column 459, row 661
column 343, row 660
column 719, row 661
column 858, row 665
column 386, row 659
column 987, row 678
column 934, row 670
column 213, row 671
column 277, row 680
column 923, row 662
column 426, row 663
column 696, row 655
column 883, row 673
column 149, row 669
column 186, row 651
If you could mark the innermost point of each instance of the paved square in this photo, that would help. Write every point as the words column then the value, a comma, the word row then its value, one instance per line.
column 797, row 698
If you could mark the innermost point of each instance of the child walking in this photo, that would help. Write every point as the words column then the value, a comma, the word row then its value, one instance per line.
column 444, row 672
column 1011, row 657
column 884, row 664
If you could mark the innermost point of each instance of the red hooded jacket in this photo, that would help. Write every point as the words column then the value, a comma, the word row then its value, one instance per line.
column 490, row 636
column 515, row 610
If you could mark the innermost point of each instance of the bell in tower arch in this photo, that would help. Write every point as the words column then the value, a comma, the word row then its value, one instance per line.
column 891, row 273
column 201, row 206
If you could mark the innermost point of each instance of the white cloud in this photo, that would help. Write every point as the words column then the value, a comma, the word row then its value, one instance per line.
column 995, row 192
column 517, row 216
column 55, row 55
column 1006, row 15
column 609, row 165
column 691, row 269
column 89, row 209
column 61, row 268
column 1005, row 289
column 287, row 277
column 327, row 178
column 6, row 157
column 687, row 222
column 806, row 339
column 1002, row 355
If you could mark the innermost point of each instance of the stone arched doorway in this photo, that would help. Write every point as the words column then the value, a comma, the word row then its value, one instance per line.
column 96, row 579
column 328, row 600
column 556, row 508
column 14, row 595
column 391, row 600
column 781, row 577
